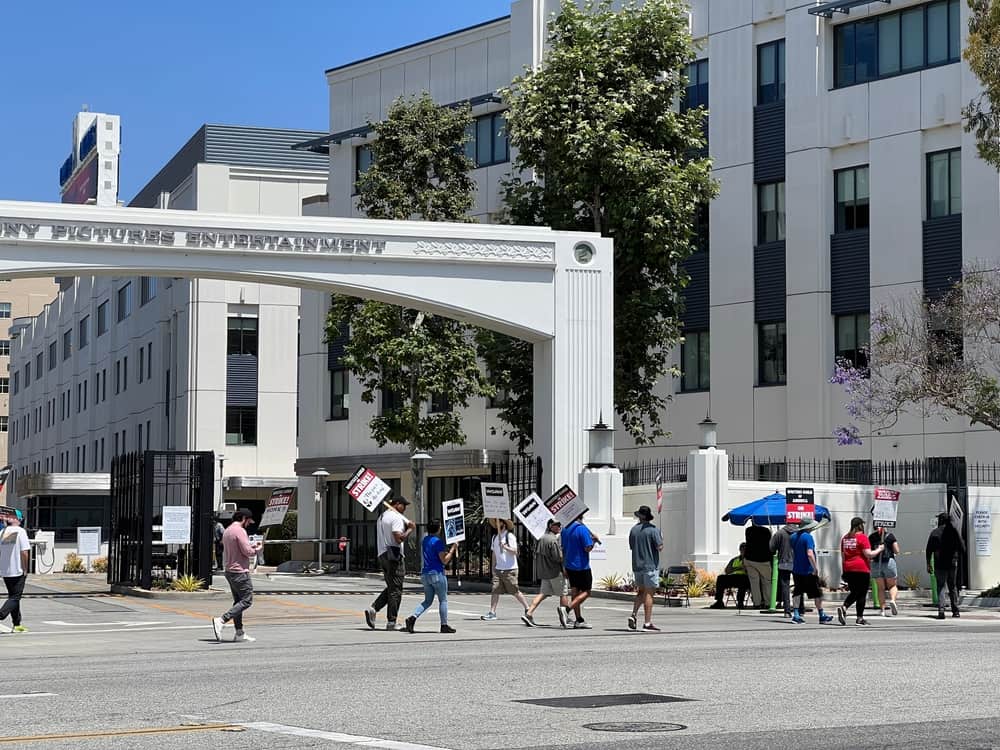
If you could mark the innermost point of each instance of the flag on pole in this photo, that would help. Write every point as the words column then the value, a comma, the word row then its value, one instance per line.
column 659, row 492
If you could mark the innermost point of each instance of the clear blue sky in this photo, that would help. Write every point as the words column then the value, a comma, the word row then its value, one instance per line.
column 167, row 68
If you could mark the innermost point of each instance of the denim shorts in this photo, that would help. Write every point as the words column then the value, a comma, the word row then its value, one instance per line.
column 646, row 579
column 887, row 569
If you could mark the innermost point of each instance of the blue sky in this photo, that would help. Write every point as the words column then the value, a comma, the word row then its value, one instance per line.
column 166, row 68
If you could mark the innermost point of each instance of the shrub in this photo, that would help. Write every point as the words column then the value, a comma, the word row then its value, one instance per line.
column 100, row 564
column 187, row 583
column 911, row 580
column 74, row 564
column 611, row 582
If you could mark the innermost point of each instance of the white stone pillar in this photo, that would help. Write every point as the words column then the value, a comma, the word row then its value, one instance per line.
column 707, row 488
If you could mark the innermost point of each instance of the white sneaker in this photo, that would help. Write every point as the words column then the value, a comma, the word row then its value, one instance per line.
column 894, row 608
column 4, row 628
column 243, row 638
column 217, row 625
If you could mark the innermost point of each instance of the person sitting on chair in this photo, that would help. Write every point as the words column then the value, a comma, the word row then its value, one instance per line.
column 734, row 577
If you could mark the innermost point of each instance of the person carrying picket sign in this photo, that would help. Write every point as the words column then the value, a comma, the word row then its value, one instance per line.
column 504, row 549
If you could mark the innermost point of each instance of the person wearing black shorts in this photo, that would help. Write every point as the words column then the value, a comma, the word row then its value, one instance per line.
column 805, row 573
column 577, row 541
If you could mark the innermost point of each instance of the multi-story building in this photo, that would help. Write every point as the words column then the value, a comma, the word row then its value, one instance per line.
column 115, row 365
column 846, row 180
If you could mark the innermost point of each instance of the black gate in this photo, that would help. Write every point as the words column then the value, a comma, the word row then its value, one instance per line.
column 141, row 485
column 523, row 475
column 951, row 471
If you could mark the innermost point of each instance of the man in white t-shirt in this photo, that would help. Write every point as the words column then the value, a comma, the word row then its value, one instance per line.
column 391, row 532
column 504, row 548
column 15, row 552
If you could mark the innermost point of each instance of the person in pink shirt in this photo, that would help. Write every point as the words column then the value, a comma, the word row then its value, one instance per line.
column 237, row 551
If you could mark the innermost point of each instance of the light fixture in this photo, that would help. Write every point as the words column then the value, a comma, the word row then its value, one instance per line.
column 709, row 437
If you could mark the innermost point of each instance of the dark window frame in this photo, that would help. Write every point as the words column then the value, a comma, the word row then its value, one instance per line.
column 499, row 141
column 147, row 290
column 359, row 170
column 849, row 219
column 951, row 154
column 696, row 92
column 102, row 318
column 242, row 336
column 123, row 302
column 340, row 401
column 83, row 335
column 778, row 95
column 781, row 359
column 862, row 338
column 244, row 420
column 702, row 341
column 439, row 404
column 763, row 226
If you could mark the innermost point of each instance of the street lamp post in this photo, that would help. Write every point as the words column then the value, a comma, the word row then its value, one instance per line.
column 417, row 461
column 222, row 460
column 320, row 476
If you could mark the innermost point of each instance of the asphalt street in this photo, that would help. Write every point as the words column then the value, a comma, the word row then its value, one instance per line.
column 97, row 671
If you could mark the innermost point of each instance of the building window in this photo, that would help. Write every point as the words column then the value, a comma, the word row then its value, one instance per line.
column 83, row 337
column 771, row 353
column 700, row 228
column 142, row 363
column 241, row 425
column 695, row 361
column 149, row 361
column 17, row 381
column 770, row 212
column 390, row 401
column 440, row 404
column 944, row 183
column 771, row 72
column 67, row 344
column 241, row 336
column 53, row 353
column 4, row 347
column 102, row 318
column 27, row 375
column 147, row 289
column 4, row 385
column 487, row 142
column 118, row 376
column 340, row 380
column 696, row 91
column 772, row 471
column 852, row 339
column 894, row 43
column 4, row 309
column 363, row 159
column 851, row 197
column 853, row 471
column 125, row 373
column 124, row 303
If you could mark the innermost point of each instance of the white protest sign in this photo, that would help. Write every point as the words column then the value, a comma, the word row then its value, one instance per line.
column 533, row 514
column 453, row 513
column 88, row 540
column 982, row 525
column 277, row 507
column 496, row 500
column 565, row 505
column 599, row 552
column 956, row 514
column 367, row 488
column 886, row 508
column 176, row 524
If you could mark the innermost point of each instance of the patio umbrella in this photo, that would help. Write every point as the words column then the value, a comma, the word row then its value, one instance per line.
column 767, row 511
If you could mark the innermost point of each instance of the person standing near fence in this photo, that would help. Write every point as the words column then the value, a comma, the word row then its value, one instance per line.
column 758, row 565
column 884, row 569
column 15, row 555
column 781, row 544
column 806, row 573
column 646, row 543
column 504, row 550
column 945, row 547
column 237, row 551
column 392, row 529
column 433, row 578
column 856, row 555
column 549, row 570
column 577, row 542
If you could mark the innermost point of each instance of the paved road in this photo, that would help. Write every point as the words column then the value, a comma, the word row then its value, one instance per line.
column 108, row 672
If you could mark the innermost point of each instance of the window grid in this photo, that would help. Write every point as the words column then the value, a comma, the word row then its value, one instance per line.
column 339, row 393
column 944, row 183
column 124, row 302
column 487, row 142
column 770, row 212
column 695, row 360
column 696, row 91
column 771, row 351
column 771, row 72
column 851, row 335
column 851, row 198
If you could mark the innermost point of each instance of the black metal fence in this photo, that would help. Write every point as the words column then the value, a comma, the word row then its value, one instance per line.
column 673, row 469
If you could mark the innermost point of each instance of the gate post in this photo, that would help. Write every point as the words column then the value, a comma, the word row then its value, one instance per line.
column 146, row 492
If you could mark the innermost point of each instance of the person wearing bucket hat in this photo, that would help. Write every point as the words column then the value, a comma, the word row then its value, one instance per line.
column 646, row 543
column 805, row 572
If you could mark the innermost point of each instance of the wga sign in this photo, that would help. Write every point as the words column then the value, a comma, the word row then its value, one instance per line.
column 799, row 504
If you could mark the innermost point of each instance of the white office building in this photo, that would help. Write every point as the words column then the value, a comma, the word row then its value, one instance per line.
column 846, row 180
column 115, row 365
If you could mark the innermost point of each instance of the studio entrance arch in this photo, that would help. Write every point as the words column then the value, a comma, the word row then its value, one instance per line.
column 551, row 288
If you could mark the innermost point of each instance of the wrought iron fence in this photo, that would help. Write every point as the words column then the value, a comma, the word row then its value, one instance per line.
column 671, row 469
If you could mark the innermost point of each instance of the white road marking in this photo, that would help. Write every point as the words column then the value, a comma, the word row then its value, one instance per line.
column 350, row 739
column 15, row 696
column 100, row 624
column 113, row 630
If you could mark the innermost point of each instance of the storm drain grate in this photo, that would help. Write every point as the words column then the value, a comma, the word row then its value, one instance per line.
column 603, row 701
column 634, row 726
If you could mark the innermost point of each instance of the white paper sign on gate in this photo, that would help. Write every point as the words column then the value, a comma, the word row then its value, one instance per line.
column 565, row 505
column 533, row 514
column 886, row 508
column 176, row 524
column 453, row 513
column 367, row 488
column 496, row 500
column 88, row 540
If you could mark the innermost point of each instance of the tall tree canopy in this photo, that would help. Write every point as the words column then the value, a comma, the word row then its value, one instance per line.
column 982, row 114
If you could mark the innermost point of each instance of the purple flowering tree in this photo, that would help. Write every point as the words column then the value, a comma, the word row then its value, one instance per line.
column 928, row 355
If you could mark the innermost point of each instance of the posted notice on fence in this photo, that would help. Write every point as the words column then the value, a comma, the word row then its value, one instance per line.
column 88, row 541
column 982, row 527
column 176, row 524
column 533, row 514
column 886, row 508
column 496, row 500
column 800, row 504
column 367, row 488
column 453, row 513
column 277, row 506
column 565, row 505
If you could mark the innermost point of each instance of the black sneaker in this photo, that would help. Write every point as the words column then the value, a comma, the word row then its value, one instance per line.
column 956, row 614
column 632, row 622
column 861, row 621
column 447, row 629
column 650, row 628
column 528, row 620
column 410, row 622
column 370, row 618
column 841, row 615
column 940, row 615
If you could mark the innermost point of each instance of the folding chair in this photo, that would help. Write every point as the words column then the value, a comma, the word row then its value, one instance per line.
column 677, row 589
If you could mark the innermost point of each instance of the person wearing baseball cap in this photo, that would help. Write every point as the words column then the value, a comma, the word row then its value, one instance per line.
column 549, row 570
column 237, row 551
column 646, row 543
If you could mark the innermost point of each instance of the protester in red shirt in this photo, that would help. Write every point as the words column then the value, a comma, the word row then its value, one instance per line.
column 857, row 553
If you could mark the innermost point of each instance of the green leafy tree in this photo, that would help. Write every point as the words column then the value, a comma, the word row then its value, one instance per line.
column 419, row 171
column 508, row 361
column 601, row 147
column 982, row 114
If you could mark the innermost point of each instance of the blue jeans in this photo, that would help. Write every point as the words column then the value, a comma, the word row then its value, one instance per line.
column 435, row 584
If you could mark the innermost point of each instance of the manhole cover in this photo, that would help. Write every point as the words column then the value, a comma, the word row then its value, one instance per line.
column 634, row 726
column 603, row 701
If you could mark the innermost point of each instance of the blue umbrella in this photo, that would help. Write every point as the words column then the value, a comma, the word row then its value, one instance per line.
column 767, row 511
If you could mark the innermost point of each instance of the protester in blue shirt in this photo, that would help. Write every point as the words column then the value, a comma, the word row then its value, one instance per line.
column 805, row 573
column 577, row 541
column 432, row 576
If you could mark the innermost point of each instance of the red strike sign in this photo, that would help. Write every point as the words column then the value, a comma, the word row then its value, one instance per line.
column 795, row 512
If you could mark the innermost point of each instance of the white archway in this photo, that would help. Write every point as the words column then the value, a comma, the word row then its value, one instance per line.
column 551, row 288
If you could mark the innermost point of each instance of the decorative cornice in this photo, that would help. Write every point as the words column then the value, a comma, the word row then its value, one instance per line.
column 485, row 250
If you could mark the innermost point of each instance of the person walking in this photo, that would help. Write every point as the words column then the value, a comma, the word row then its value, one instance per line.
column 392, row 529
column 856, row 554
column 237, row 550
column 577, row 542
column 217, row 531
column 884, row 569
column 433, row 578
column 549, row 569
column 15, row 553
column 781, row 543
column 504, row 550
column 735, row 577
column 945, row 547
column 646, row 543
column 758, row 565
column 805, row 573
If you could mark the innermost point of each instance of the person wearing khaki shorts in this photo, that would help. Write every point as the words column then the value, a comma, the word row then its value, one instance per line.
column 504, row 548
column 549, row 569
